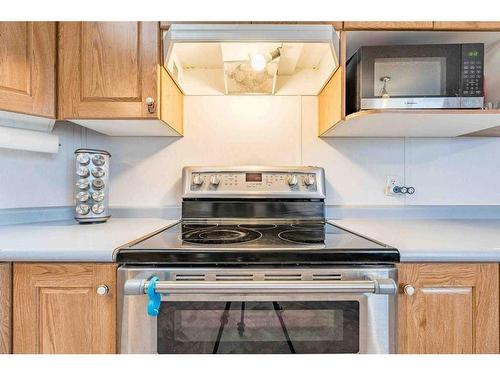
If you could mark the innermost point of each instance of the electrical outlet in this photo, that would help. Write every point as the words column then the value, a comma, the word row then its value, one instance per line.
column 392, row 181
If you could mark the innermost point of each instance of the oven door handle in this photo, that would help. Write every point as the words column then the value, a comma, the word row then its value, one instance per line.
column 374, row 286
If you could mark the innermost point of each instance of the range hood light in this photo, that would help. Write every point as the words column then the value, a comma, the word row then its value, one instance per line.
column 258, row 62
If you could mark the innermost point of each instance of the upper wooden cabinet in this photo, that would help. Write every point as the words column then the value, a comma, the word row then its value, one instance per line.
column 111, row 71
column 57, row 308
column 467, row 25
column 388, row 25
column 28, row 71
column 454, row 308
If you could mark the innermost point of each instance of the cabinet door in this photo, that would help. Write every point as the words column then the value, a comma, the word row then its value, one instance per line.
column 57, row 308
column 27, row 67
column 108, row 69
column 5, row 308
column 454, row 308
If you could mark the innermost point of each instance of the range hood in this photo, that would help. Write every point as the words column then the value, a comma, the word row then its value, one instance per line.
column 250, row 59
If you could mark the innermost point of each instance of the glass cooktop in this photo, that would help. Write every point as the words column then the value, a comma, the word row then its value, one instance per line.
column 258, row 243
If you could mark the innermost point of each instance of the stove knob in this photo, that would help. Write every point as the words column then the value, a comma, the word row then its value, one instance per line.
column 309, row 180
column 215, row 180
column 197, row 180
column 292, row 180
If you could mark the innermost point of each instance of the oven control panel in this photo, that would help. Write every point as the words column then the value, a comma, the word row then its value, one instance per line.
column 285, row 182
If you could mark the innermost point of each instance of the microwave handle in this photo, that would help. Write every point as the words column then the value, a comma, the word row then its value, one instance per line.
column 375, row 286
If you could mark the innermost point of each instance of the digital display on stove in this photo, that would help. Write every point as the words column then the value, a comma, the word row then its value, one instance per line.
column 253, row 177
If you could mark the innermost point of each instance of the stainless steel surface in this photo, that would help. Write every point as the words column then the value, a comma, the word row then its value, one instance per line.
column 138, row 331
column 238, row 182
column 91, row 185
column 472, row 102
column 422, row 103
column 256, row 195
column 102, row 290
column 409, row 290
column 276, row 287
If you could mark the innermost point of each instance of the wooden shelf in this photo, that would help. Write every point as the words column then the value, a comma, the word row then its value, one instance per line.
column 418, row 123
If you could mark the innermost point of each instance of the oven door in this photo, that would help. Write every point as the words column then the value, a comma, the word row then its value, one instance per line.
column 406, row 76
column 266, row 326
column 256, row 318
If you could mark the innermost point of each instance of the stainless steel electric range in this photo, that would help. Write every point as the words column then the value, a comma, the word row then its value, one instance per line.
column 253, row 267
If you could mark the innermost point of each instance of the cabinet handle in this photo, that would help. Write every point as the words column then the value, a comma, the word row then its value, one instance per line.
column 409, row 290
column 150, row 102
column 102, row 290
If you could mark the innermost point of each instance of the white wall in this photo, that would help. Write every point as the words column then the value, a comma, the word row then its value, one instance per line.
column 146, row 172
column 32, row 179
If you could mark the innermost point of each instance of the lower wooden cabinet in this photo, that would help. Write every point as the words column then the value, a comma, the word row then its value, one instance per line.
column 5, row 308
column 448, row 308
column 59, row 309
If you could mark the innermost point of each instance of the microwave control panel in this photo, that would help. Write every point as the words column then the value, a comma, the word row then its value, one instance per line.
column 472, row 69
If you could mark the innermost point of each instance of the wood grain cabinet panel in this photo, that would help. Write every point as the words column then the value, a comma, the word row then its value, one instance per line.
column 330, row 102
column 388, row 25
column 5, row 308
column 108, row 69
column 454, row 309
column 57, row 309
column 27, row 68
column 467, row 25
column 112, row 71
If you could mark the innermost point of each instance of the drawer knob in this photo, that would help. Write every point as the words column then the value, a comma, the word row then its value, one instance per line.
column 409, row 290
column 102, row 290
column 150, row 102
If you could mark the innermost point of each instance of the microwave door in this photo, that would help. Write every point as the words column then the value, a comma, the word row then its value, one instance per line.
column 418, row 76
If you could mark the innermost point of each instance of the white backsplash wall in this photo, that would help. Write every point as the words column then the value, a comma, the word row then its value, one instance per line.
column 34, row 179
column 146, row 172
column 231, row 130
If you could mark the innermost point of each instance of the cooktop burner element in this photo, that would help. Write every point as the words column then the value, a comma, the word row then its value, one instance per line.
column 303, row 235
column 219, row 235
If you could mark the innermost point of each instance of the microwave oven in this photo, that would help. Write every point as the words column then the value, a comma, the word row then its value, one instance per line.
column 416, row 76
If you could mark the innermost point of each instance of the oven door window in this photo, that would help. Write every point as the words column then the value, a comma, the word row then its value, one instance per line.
column 411, row 71
column 258, row 327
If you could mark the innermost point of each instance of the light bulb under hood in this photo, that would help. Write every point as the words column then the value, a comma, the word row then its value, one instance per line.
column 259, row 61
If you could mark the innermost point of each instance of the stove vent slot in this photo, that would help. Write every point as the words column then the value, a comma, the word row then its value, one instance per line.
column 235, row 277
column 190, row 277
column 327, row 276
column 278, row 276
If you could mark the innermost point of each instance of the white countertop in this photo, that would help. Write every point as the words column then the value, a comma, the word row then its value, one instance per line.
column 69, row 241
column 418, row 240
column 434, row 240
